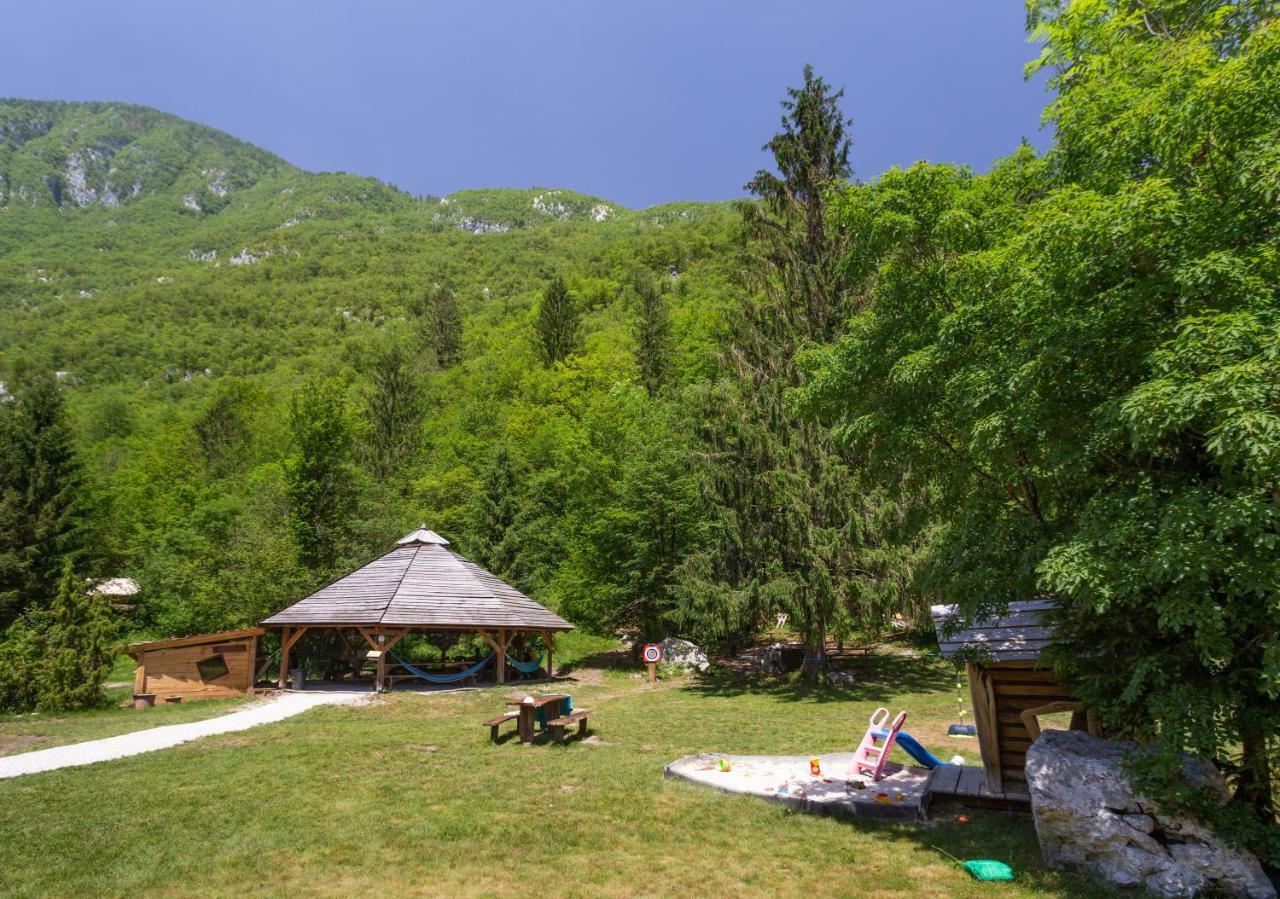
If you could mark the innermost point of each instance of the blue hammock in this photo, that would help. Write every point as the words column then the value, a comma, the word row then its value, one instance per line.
column 525, row 667
column 443, row 678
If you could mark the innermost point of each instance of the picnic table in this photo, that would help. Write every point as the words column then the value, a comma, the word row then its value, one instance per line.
column 528, row 711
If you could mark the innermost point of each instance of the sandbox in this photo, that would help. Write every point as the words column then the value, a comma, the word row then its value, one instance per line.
column 902, row 795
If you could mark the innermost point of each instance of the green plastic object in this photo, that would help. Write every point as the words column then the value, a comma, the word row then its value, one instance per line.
column 988, row 869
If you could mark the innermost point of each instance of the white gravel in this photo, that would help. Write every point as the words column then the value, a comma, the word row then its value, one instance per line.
column 284, row 706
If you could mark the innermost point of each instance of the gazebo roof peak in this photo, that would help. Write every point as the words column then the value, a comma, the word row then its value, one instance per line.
column 422, row 535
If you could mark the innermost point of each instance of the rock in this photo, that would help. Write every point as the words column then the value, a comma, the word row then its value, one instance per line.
column 683, row 654
column 781, row 658
column 842, row 678
column 1088, row 818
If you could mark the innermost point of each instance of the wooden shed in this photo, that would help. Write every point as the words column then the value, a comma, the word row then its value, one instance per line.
column 1008, row 687
column 419, row 586
column 204, row 666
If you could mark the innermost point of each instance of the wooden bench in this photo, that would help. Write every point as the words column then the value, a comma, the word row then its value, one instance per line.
column 557, row 725
column 494, row 723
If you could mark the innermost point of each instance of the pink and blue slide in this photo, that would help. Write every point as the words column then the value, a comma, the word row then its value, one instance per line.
column 912, row 748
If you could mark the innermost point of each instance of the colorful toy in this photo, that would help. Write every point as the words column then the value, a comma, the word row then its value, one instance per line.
column 726, row 765
column 815, row 767
column 914, row 749
column 873, row 751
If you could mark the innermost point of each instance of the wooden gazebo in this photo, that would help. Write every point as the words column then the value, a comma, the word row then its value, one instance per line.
column 420, row 585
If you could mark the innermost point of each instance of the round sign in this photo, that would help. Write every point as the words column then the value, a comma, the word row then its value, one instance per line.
column 652, row 653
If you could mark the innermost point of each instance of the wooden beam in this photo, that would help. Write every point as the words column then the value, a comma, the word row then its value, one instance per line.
column 253, row 665
column 502, row 656
column 140, row 675
column 1030, row 717
column 550, row 638
column 984, row 718
column 288, row 637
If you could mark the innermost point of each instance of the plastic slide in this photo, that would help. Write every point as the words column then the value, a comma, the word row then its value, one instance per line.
column 915, row 750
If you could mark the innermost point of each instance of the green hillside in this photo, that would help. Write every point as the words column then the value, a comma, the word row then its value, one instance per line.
column 156, row 311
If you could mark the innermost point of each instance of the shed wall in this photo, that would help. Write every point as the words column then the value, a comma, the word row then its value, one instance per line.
column 173, row 671
column 1001, row 692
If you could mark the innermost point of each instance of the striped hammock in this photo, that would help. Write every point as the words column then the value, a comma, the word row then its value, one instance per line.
column 443, row 678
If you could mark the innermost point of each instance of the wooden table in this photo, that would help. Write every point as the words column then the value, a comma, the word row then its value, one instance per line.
column 528, row 710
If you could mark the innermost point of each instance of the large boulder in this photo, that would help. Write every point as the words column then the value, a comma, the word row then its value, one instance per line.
column 1088, row 818
column 684, row 654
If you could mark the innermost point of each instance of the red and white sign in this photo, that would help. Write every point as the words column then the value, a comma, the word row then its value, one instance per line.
column 652, row 653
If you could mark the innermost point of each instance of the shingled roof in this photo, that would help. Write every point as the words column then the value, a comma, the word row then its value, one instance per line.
column 421, row 583
column 1017, row 636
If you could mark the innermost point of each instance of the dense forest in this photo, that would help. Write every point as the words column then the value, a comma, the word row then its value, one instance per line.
column 843, row 400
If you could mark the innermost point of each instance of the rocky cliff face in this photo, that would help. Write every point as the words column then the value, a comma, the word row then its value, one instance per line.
column 81, row 155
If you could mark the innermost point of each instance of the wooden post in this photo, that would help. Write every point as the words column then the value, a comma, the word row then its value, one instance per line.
column 551, row 647
column 285, row 645
column 382, row 663
column 653, row 672
column 502, row 657
column 253, row 665
column 288, row 637
column 140, row 675
column 984, row 718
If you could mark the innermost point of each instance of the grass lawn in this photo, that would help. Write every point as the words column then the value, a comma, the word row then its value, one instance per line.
column 39, row 730
column 409, row 797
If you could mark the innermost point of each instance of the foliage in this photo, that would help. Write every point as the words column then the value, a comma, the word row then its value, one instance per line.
column 82, row 642
column 559, row 323
column 652, row 335
column 790, row 525
column 319, row 475
column 41, row 509
column 1078, row 352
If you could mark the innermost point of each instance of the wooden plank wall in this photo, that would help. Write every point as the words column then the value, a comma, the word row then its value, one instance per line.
column 1001, row 692
column 172, row 672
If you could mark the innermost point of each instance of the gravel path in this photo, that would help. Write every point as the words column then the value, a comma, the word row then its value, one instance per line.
column 284, row 706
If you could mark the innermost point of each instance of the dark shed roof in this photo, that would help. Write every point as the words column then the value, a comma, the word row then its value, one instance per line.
column 421, row 583
column 1016, row 636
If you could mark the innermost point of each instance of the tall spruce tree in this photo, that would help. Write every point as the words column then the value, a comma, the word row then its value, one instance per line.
column 492, row 514
column 81, row 640
column 559, row 323
column 786, row 509
column 394, row 405
column 652, row 334
column 318, row 475
column 439, row 323
column 41, row 514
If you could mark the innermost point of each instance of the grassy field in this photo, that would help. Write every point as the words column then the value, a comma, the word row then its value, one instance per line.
column 40, row 730
column 408, row 796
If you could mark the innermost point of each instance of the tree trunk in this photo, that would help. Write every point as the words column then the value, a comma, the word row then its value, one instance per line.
column 1255, row 784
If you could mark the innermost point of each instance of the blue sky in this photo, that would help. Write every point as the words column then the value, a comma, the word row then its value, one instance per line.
column 640, row 103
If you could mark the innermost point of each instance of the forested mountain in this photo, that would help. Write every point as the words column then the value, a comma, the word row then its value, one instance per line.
column 185, row 286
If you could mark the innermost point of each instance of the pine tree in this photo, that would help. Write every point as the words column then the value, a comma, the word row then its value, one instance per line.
column 81, row 646
column 394, row 405
column 559, row 323
column 785, row 507
column 652, row 334
column 318, row 475
column 41, row 514
column 492, row 514
column 448, row 325
column 439, row 323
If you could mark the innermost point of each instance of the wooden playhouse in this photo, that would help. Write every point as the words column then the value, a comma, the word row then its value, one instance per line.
column 1008, row 688
column 204, row 666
